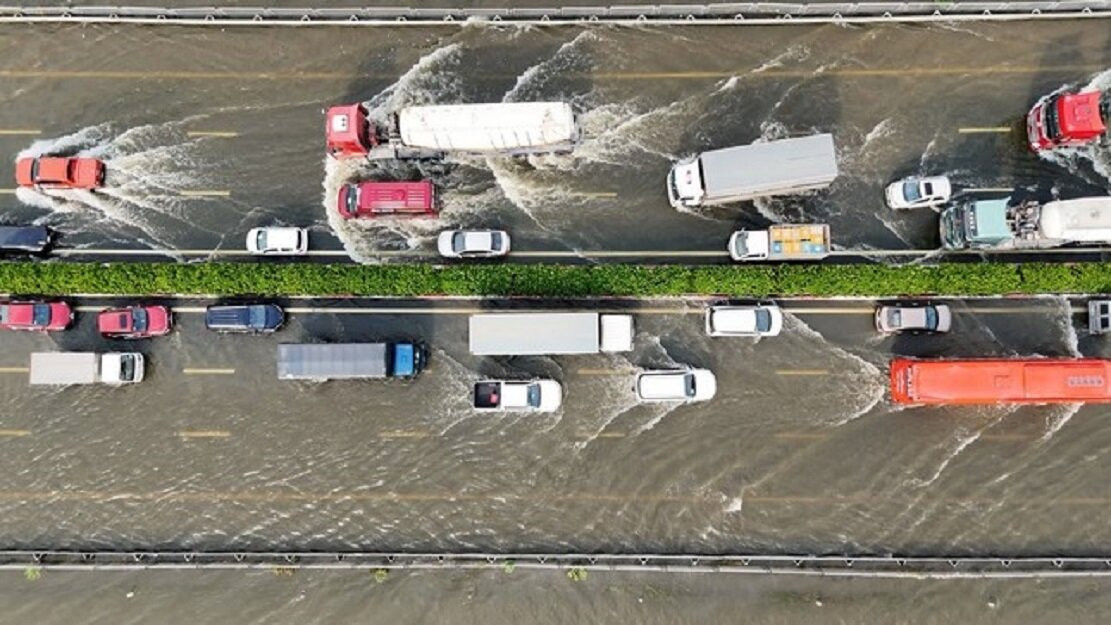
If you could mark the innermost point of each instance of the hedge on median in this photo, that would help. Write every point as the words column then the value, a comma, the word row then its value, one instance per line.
column 552, row 280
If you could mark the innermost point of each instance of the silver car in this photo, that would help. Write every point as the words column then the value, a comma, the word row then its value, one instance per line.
column 913, row 317
column 758, row 320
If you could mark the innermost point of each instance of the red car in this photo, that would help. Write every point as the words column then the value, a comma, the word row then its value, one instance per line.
column 386, row 199
column 58, row 172
column 35, row 316
column 134, row 322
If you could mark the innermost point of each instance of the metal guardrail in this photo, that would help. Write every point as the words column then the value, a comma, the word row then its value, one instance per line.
column 833, row 566
column 737, row 13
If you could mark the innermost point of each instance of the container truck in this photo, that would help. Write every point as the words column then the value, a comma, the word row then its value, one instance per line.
column 537, row 334
column 996, row 381
column 781, row 242
column 349, row 361
column 61, row 368
column 424, row 132
column 1063, row 120
column 999, row 224
column 750, row 171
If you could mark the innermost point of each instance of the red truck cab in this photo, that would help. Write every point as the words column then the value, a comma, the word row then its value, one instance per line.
column 1068, row 120
column 59, row 172
column 348, row 131
column 386, row 199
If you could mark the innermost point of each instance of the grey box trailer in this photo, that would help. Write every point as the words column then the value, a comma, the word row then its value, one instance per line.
column 349, row 361
column 536, row 334
column 756, row 170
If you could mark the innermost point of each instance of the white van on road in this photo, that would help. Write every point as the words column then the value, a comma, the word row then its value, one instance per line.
column 676, row 385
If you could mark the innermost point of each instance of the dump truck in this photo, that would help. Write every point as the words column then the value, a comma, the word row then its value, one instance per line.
column 430, row 132
column 537, row 334
column 350, row 361
column 63, row 368
column 1002, row 224
column 781, row 242
column 1068, row 119
column 751, row 171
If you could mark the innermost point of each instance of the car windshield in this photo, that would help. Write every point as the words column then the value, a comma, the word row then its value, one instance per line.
column 534, row 395
column 458, row 243
column 351, row 199
column 910, row 191
column 261, row 240
column 256, row 316
column 34, row 170
column 763, row 320
column 127, row 368
column 40, row 314
column 739, row 246
column 931, row 318
column 495, row 240
column 688, row 384
column 894, row 318
column 1052, row 124
column 139, row 318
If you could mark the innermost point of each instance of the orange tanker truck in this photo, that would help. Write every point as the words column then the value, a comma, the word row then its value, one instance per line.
column 1000, row 381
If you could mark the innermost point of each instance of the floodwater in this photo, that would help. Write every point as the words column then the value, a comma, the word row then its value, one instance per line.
column 895, row 97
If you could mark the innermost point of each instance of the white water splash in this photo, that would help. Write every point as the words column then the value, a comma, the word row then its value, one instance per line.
column 423, row 83
column 567, row 58
column 1058, row 417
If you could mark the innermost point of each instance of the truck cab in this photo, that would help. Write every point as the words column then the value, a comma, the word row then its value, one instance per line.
column 1068, row 120
column 749, row 245
column 684, row 184
column 979, row 224
column 348, row 131
column 121, row 368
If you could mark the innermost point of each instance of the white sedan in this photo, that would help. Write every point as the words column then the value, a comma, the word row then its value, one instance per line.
column 473, row 243
column 759, row 320
column 919, row 192
column 278, row 241
column 523, row 396
column 676, row 385
column 913, row 317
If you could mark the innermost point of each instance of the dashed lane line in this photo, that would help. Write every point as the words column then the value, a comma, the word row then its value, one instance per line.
column 224, row 134
column 192, row 434
column 205, row 193
column 207, row 371
column 802, row 372
column 15, row 433
column 15, row 369
column 975, row 130
column 19, row 132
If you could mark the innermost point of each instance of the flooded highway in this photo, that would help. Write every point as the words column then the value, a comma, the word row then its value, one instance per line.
column 204, row 137
column 801, row 450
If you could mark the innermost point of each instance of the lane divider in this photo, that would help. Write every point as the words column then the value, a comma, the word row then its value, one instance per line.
column 203, row 371
column 813, row 372
column 224, row 134
column 19, row 132
column 974, row 130
column 191, row 434
column 15, row 369
column 15, row 433
column 205, row 193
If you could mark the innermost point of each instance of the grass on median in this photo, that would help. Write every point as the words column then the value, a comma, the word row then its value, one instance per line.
column 871, row 280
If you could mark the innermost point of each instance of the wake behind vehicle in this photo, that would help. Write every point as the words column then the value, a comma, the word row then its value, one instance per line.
column 676, row 385
column 35, row 316
column 522, row 396
column 423, row 132
column 278, row 241
column 918, row 192
column 781, row 242
column 1068, row 119
column 134, row 322
column 65, row 368
column 244, row 318
column 473, row 243
column 759, row 320
column 59, row 172
column 913, row 317
column 386, row 199
column 751, row 171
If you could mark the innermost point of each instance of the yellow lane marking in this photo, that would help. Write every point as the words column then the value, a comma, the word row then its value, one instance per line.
column 404, row 434
column 802, row 371
column 988, row 190
column 15, row 432
column 204, row 434
column 205, row 193
column 983, row 130
column 596, row 194
column 606, row 371
column 199, row 371
column 802, row 436
column 7, row 191
column 15, row 369
column 19, row 131
column 227, row 134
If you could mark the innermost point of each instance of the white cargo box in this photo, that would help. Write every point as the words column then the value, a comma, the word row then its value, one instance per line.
column 512, row 127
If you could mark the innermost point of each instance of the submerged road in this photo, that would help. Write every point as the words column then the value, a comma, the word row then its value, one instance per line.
column 800, row 452
column 204, row 137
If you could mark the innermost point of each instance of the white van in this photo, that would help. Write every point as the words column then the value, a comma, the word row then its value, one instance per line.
column 681, row 385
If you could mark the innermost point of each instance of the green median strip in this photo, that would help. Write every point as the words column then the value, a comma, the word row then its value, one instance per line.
column 870, row 280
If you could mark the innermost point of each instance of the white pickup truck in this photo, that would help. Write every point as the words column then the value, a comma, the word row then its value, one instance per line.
column 523, row 396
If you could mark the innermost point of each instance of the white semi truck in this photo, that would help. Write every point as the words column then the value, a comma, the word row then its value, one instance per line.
column 1003, row 224
column 538, row 334
column 423, row 132
column 63, row 368
column 751, row 171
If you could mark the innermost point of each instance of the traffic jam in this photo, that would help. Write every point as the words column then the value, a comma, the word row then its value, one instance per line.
column 1062, row 121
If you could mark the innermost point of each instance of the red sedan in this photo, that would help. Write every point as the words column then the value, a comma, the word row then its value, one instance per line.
column 58, row 172
column 35, row 316
column 134, row 322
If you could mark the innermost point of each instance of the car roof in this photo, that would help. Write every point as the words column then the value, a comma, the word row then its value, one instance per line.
column 478, row 240
column 734, row 318
column 663, row 384
column 282, row 236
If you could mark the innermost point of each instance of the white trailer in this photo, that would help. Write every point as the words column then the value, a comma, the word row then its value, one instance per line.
column 751, row 171
column 537, row 334
column 63, row 368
